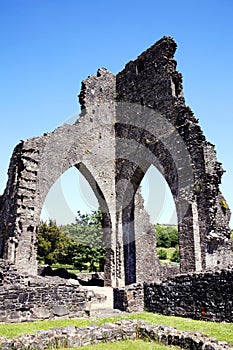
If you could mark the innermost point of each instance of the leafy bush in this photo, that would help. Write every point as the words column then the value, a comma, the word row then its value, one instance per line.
column 176, row 255
column 224, row 205
column 162, row 254
column 162, row 237
column 173, row 235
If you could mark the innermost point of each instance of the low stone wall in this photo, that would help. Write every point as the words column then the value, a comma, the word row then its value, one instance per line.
column 43, row 301
column 206, row 296
column 169, row 271
column 28, row 298
column 122, row 330
column 129, row 298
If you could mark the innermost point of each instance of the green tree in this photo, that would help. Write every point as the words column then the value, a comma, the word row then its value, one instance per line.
column 52, row 243
column 162, row 236
column 173, row 235
column 166, row 236
column 87, row 229
column 86, row 249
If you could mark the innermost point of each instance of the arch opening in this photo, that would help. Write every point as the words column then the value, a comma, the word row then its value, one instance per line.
column 152, row 197
column 71, row 192
column 158, row 199
column 76, row 203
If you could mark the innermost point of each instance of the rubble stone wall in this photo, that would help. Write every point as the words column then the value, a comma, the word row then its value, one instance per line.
column 203, row 296
column 129, row 298
column 112, row 332
column 177, row 146
column 27, row 298
column 42, row 302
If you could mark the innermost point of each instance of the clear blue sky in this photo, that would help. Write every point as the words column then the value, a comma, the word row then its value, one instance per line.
column 49, row 46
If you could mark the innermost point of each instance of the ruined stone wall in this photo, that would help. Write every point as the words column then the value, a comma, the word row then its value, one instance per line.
column 219, row 214
column 43, row 301
column 36, row 164
column 145, row 244
column 74, row 337
column 129, row 298
column 202, row 296
column 19, row 205
column 181, row 152
column 29, row 298
column 97, row 103
column 128, row 123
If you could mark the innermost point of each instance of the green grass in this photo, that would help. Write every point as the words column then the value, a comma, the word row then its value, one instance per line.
column 170, row 251
column 69, row 268
column 126, row 344
column 221, row 331
column 15, row 329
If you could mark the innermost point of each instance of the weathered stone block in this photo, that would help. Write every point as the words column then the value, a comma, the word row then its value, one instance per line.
column 40, row 312
column 60, row 310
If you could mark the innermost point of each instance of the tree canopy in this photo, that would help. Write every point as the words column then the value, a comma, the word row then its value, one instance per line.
column 80, row 244
column 52, row 242
column 167, row 236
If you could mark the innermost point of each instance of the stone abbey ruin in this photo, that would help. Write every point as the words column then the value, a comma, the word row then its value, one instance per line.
column 128, row 122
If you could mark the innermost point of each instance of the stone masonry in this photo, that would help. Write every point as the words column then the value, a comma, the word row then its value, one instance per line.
column 129, row 122
column 74, row 337
column 28, row 298
column 205, row 295
column 201, row 296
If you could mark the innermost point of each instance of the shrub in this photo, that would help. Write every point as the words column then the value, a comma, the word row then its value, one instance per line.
column 162, row 254
column 224, row 205
column 176, row 255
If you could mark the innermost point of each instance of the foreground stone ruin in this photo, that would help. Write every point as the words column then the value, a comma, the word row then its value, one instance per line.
column 202, row 296
column 28, row 298
column 128, row 123
column 112, row 332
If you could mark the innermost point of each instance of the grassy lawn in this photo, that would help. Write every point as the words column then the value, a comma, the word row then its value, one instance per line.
column 69, row 268
column 221, row 331
column 170, row 251
column 126, row 344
